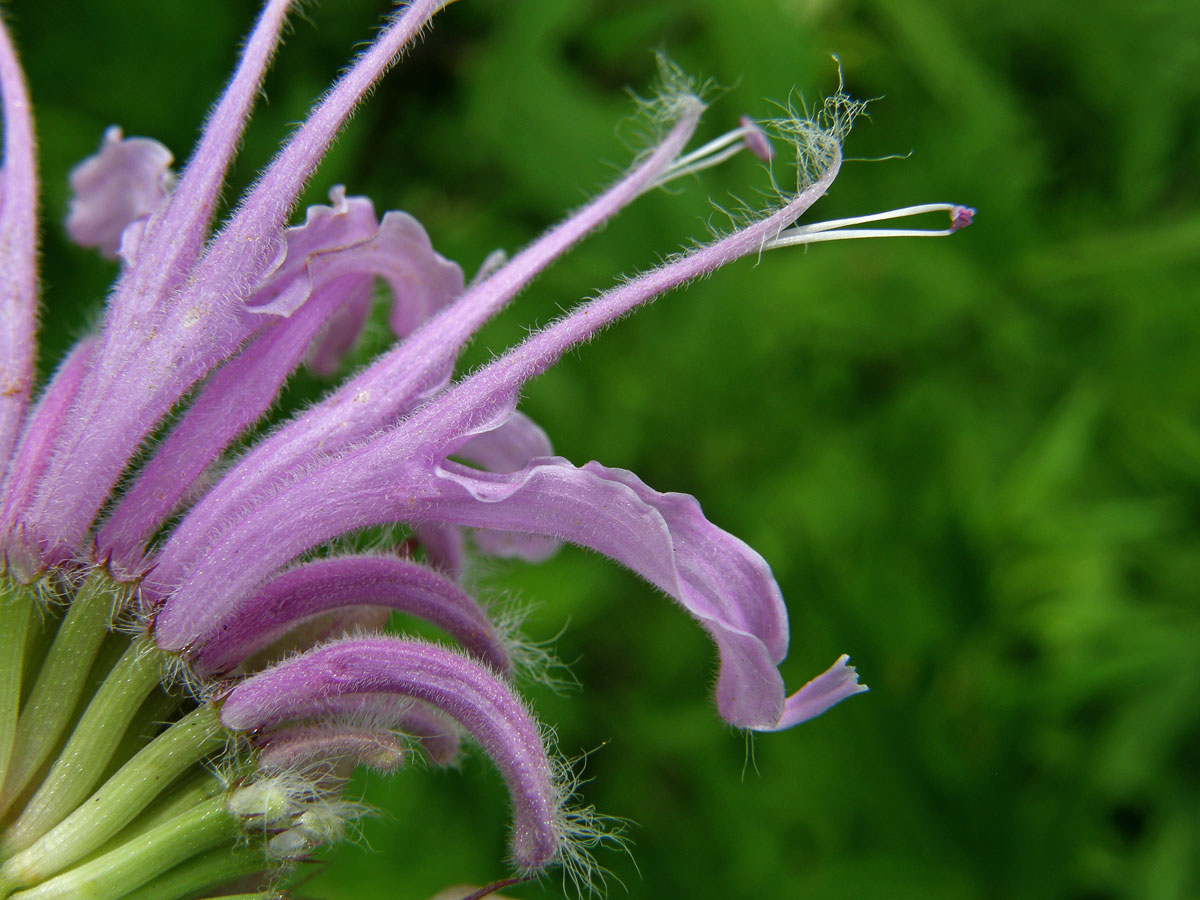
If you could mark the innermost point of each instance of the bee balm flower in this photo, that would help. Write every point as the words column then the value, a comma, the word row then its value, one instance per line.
column 189, row 619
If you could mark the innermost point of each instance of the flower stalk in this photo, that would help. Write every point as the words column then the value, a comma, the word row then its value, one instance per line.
column 206, row 872
column 126, row 794
column 16, row 611
column 60, row 682
column 114, row 874
column 95, row 739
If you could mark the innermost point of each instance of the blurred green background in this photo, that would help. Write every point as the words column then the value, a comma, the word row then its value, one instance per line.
column 973, row 463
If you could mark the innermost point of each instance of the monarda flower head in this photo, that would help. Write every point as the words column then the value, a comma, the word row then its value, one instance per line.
column 190, row 667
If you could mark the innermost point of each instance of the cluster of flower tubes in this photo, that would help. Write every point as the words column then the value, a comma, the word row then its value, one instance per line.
column 125, row 515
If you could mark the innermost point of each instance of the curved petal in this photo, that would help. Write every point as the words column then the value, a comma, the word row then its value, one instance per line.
column 397, row 250
column 464, row 690
column 347, row 222
column 665, row 538
column 723, row 583
column 726, row 586
column 328, row 584
column 507, row 449
column 126, row 180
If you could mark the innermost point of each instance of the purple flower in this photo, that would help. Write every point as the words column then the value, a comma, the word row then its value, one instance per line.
column 226, row 566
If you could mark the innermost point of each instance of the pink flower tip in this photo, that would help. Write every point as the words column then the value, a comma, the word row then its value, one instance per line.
column 961, row 217
column 827, row 690
column 756, row 139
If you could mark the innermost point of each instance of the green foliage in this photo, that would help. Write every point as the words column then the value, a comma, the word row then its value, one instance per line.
column 974, row 463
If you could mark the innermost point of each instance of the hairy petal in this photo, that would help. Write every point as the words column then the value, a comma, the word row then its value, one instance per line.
column 126, row 181
column 435, row 348
column 384, row 477
column 41, row 431
column 232, row 400
column 239, row 248
column 419, row 366
column 18, row 248
column 168, row 243
column 303, row 747
column 468, row 692
column 328, row 584
column 174, row 235
column 130, row 392
column 488, row 397
column 332, row 260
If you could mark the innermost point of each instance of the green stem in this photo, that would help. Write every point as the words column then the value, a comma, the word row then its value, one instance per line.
column 43, row 623
column 204, row 785
column 149, row 721
column 82, row 762
column 16, row 609
column 59, row 685
column 141, row 861
column 205, row 872
column 127, row 793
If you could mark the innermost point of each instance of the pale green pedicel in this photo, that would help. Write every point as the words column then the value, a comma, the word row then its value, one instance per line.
column 133, row 788
column 60, row 683
column 82, row 762
column 16, row 608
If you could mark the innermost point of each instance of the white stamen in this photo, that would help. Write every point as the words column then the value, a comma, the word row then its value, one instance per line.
column 840, row 230
column 747, row 136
